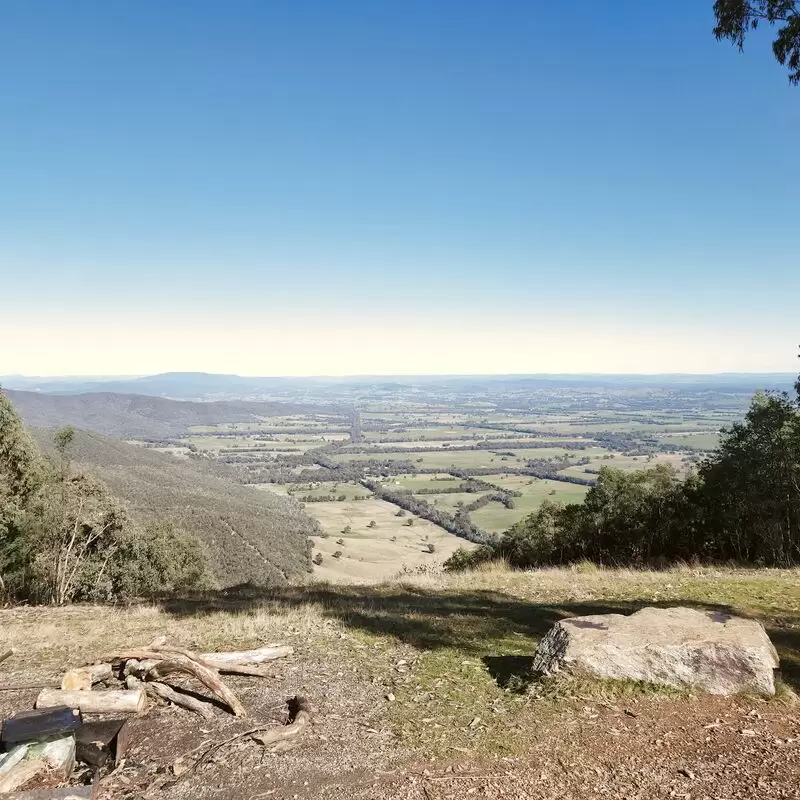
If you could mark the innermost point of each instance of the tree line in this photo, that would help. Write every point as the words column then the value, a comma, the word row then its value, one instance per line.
column 742, row 504
column 458, row 523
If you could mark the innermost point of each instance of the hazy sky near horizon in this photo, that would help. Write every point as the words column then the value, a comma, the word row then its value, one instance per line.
column 298, row 187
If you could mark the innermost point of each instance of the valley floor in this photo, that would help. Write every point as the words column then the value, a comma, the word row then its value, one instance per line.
column 421, row 691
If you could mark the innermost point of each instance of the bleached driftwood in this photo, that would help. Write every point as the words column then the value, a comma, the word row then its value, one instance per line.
column 227, row 669
column 152, row 670
column 230, row 663
column 108, row 701
column 268, row 653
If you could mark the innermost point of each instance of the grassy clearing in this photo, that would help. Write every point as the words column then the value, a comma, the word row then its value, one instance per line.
column 462, row 644
column 414, row 483
column 430, row 434
column 699, row 441
column 496, row 517
column 475, row 634
column 379, row 552
column 677, row 460
column 449, row 501
column 349, row 490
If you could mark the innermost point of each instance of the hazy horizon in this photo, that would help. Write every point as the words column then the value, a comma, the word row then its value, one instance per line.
column 99, row 377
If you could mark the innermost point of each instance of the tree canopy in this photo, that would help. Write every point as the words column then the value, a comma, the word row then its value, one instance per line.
column 742, row 504
column 736, row 18
column 64, row 537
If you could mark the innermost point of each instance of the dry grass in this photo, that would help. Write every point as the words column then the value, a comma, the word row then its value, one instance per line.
column 448, row 648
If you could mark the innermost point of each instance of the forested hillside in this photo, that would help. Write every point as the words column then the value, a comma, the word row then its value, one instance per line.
column 249, row 535
column 133, row 416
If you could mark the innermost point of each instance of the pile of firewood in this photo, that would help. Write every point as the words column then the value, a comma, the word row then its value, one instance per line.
column 43, row 746
column 154, row 672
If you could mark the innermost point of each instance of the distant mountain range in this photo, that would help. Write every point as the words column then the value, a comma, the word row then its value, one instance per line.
column 202, row 385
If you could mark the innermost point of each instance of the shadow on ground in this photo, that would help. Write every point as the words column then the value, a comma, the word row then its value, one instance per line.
column 482, row 623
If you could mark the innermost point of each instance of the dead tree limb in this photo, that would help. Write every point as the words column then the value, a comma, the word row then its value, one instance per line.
column 228, row 669
column 268, row 653
column 299, row 717
column 158, row 689
column 208, row 677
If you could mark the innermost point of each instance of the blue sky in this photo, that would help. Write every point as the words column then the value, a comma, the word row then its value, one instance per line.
column 327, row 188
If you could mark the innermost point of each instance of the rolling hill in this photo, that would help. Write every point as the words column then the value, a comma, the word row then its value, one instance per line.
column 133, row 416
column 250, row 535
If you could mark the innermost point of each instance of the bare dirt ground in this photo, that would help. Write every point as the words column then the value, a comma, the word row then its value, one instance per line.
column 420, row 692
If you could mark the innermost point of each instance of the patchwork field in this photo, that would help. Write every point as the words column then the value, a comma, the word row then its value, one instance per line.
column 425, row 451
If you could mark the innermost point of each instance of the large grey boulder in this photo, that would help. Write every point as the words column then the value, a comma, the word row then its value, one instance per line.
column 681, row 647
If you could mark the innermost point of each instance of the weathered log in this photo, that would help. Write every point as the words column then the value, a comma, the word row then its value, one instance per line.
column 84, row 677
column 268, row 653
column 140, row 668
column 139, row 654
column 299, row 717
column 7, row 654
column 31, row 725
column 170, row 650
column 165, row 692
column 109, row 701
column 208, row 677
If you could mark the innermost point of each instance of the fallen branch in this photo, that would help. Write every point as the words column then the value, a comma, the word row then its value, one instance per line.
column 299, row 717
column 138, row 654
column 224, row 662
column 227, row 669
column 208, row 677
column 158, row 689
column 7, row 654
column 297, row 706
column 150, row 669
column 268, row 653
